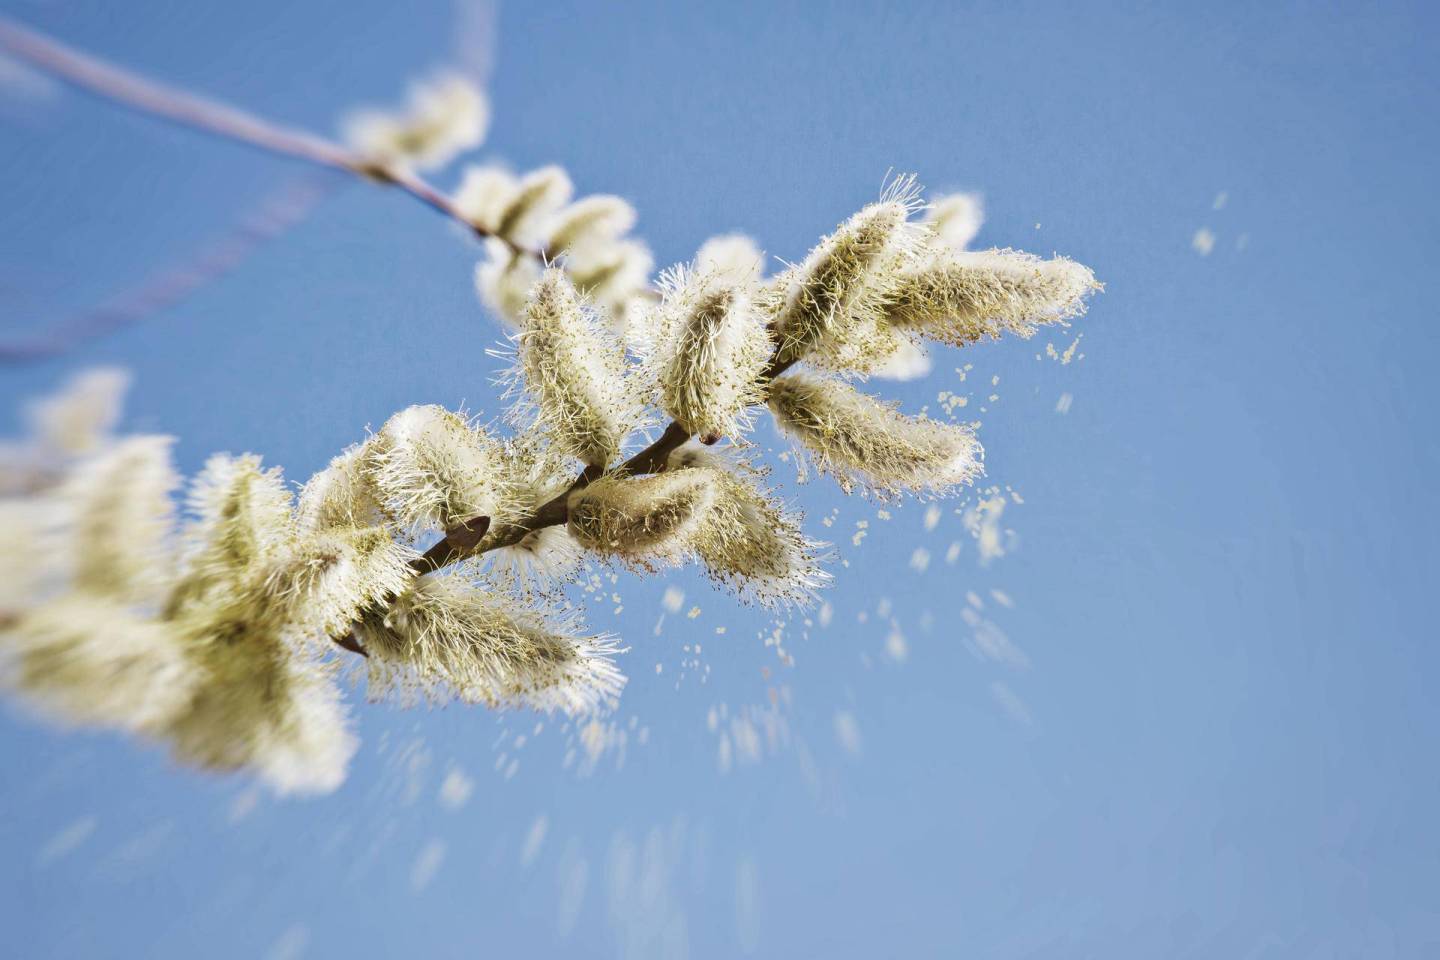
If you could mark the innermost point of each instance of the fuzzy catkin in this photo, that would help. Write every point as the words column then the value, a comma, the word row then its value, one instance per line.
column 537, row 197
column 518, row 210
column 712, row 351
column 444, row 117
column 259, row 704
column 90, row 661
column 503, row 280
column 597, row 219
column 748, row 542
column 862, row 441
column 955, row 219
column 79, row 418
column 642, row 521
column 833, row 303
column 242, row 521
column 574, row 373
column 965, row 297
column 322, row 585
column 119, row 500
column 730, row 258
column 539, row 561
column 610, row 274
column 342, row 495
column 908, row 361
column 447, row 638
column 433, row 468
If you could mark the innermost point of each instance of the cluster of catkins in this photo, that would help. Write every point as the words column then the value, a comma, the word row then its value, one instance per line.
column 217, row 632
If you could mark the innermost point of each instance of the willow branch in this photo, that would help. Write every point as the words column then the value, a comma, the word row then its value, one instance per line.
column 141, row 95
column 170, row 286
column 144, row 96
column 555, row 511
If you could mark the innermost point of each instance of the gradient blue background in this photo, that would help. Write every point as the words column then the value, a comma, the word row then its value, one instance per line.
column 1226, row 735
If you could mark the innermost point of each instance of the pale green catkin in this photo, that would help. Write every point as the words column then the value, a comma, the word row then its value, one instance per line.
column 446, row 638
column 91, row 661
column 964, row 297
column 120, row 498
column 711, row 353
column 574, row 373
column 642, row 521
column 861, row 441
column 433, row 468
column 748, row 542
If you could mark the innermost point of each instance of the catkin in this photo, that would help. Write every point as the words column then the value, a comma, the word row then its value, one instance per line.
column 574, row 372
column 861, row 441
column 965, row 297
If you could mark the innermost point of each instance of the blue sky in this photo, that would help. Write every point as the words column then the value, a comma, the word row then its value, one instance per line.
column 1214, row 735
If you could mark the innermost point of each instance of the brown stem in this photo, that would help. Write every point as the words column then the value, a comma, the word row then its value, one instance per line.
column 137, row 93
column 451, row 548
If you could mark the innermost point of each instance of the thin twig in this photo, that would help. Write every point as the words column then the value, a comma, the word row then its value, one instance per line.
column 556, row 511
column 151, row 98
column 167, row 287
column 139, row 94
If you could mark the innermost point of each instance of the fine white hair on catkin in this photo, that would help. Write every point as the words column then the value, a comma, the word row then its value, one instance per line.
column 862, row 441
column 445, row 637
column 445, row 117
column 326, row 581
column 955, row 219
column 748, row 542
column 241, row 520
column 539, row 194
column 433, row 468
column 642, row 521
column 35, row 539
column 908, row 361
column 261, row 705
column 610, row 274
column 342, row 495
column 710, row 353
column 308, row 747
column 965, row 297
column 539, row 561
column 831, row 307
column 570, row 374
column 483, row 195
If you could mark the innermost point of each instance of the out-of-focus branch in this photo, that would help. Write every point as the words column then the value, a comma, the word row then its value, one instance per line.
column 145, row 96
column 164, row 289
